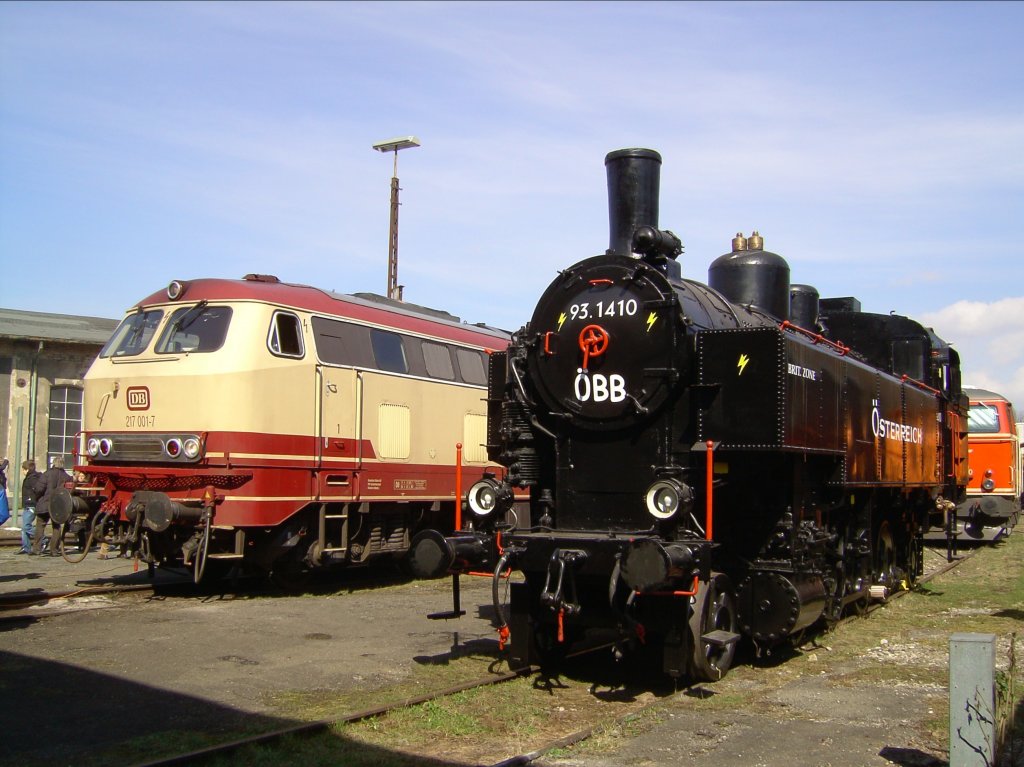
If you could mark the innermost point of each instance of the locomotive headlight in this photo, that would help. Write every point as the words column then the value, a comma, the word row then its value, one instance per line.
column 988, row 484
column 191, row 447
column 106, row 446
column 173, row 447
column 92, row 447
column 487, row 495
column 666, row 496
column 175, row 289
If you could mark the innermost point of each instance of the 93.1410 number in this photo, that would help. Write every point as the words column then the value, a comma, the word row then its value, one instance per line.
column 624, row 307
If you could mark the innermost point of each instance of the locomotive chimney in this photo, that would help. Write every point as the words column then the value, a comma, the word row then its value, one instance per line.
column 634, row 177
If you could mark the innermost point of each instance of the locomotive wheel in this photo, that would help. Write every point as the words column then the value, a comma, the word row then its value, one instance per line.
column 714, row 608
column 913, row 560
column 885, row 557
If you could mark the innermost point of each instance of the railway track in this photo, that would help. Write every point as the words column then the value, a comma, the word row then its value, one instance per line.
column 323, row 726
column 14, row 607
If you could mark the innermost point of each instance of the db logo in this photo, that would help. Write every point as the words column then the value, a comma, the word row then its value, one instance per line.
column 138, row 397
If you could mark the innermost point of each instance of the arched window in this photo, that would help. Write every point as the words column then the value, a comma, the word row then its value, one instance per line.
column 65, row 423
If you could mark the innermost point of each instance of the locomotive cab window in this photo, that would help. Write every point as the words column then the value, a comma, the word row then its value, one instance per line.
column 199, row 328
column 983, row 419
column 133, row 334
column 908, row 357
column 285, row 338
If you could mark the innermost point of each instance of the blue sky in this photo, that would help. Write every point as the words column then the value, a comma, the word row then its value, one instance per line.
column 879, row 147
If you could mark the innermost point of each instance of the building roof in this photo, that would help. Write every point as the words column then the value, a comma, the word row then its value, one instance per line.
column 67, row 328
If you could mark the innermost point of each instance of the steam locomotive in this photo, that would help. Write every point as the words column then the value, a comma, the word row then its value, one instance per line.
column 704, row 462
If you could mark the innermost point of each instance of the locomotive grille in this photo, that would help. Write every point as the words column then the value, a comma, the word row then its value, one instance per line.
column 388, row 535
column 140, row 448
column 182, row 482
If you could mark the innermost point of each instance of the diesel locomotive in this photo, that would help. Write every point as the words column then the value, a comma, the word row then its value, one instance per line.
column 278, row 427
column 704, row 461
column 994, row 492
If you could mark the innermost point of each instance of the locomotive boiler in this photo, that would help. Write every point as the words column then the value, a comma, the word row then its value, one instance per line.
column 704, row 461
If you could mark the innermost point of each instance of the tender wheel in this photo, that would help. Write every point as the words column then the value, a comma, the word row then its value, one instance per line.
column 714, row 609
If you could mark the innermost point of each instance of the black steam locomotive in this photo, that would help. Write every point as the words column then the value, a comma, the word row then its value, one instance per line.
column 704, row 461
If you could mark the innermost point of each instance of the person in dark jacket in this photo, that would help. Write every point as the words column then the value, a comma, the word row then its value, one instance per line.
column 46, row 483
column 29, row 496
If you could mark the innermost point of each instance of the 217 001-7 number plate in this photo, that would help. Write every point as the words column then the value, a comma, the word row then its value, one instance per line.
column 139, row 421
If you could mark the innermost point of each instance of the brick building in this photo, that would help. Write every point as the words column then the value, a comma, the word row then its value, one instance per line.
column 43, row 359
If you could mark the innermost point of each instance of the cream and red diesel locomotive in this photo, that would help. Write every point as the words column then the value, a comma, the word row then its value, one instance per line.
column 706, row 462
column 280, row 426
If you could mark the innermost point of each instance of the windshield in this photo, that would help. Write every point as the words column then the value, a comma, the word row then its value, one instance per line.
column 198, row 328
column 982, row 419
column 133, row 334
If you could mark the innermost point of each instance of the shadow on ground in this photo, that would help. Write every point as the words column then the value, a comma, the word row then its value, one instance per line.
column 57, row 713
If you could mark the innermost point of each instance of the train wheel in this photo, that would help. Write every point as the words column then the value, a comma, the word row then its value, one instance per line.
column 913, row 560
column 714, row 608
column 885, row 557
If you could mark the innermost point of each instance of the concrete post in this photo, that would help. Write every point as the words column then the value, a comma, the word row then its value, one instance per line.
column 972, row 700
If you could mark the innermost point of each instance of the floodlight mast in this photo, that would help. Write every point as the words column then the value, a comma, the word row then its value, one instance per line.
column 394, row 145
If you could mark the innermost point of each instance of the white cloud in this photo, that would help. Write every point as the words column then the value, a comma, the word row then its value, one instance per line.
column 990, row 339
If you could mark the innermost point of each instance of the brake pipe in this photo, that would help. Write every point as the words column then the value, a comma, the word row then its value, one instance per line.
column 503, row 629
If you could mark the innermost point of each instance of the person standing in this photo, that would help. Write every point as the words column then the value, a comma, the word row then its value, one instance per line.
column 5, row 509
column 29, row 496
column 46, row 483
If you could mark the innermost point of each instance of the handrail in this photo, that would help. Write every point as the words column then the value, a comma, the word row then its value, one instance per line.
column 818, row 338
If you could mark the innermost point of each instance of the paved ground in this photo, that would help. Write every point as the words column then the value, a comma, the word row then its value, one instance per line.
column 102, row 668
